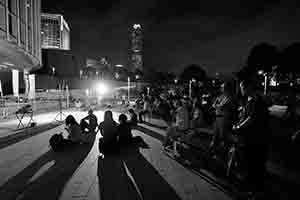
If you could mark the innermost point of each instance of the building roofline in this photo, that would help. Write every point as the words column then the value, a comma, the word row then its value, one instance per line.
column 56, row 16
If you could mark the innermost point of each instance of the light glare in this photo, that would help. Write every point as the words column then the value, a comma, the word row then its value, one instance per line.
column 102, row 88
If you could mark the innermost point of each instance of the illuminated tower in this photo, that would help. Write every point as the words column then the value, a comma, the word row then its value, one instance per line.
column 136, row 47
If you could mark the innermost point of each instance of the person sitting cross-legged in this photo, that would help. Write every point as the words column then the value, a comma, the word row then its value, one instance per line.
column 75, row 135
column 89, row 123
column 124, row 130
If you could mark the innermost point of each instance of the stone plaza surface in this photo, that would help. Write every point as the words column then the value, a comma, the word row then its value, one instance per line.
column 30, row 170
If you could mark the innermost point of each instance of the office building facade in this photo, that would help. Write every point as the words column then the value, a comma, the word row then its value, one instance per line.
column 20, row 42
column 55, row 32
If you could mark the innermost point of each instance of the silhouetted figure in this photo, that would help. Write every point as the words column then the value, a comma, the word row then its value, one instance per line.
column 89, row 123
column 108, row 130
column 146, row 109
column 133, row 121
column 254, row 128
column 74, row 130
column 124, row 130
column 226, row 107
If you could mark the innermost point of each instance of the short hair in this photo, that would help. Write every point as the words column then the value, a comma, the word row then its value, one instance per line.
column 122, row 118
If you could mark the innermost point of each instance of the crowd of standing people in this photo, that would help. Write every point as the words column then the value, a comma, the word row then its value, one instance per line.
column 245, row 114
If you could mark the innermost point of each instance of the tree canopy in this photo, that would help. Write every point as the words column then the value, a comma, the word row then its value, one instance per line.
column 290, row 59
column 193, row 71
column 263, row 56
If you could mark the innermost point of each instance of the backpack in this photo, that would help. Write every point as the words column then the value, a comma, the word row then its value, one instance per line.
column 56, row 142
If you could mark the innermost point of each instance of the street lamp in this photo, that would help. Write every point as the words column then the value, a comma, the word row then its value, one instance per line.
column 117, row 75
column 190, row 87
column 128, row 85
column 53, row 71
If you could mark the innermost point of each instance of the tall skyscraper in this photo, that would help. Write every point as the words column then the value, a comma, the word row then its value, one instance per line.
column 136, row 47
column 55, row 32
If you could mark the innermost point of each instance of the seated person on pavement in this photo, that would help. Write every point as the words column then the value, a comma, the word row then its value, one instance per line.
column 89, row 123
column 124, row 130
column 75, row 135
column 108, row 130
column 133, row 121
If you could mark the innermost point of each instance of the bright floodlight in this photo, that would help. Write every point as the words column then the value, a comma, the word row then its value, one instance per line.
column 260, row 72
column 102, row 88
column 136, row 26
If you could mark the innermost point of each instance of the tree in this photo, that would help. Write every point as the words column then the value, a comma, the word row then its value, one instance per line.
column 290, row 60
column 263, row 56
column 193, row 71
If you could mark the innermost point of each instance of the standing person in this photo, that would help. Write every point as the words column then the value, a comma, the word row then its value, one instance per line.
column 108, row 130
column 133, row 121
column 164, row 110
column 254, row 128
column 197, row 115
column 124, row 130
column 181, row 123
column 146, row 109
column 226, row 109
column 91, row 125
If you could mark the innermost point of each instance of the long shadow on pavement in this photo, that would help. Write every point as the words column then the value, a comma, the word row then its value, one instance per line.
column 130, row 176
column 46, row 177
column 149, row 132
column 155, row 125
column 25, row 133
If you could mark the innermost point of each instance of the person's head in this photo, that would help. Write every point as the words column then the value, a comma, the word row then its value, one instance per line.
column 131, row 111
column 108, row 116
column 90, row 112
column 122, row 118
column 70, row 120
column 247, row 87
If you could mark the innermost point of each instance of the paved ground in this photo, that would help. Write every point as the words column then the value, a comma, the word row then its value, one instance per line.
column 29, row 170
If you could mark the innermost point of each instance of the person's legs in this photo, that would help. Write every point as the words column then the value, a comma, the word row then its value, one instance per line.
column 216, row 136
column 256, row 168
column 141, row 114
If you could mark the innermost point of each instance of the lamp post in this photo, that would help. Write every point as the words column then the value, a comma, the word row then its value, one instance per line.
column 190, row 87
column 261, row 72
column 128, row 82
column 266, row 83
column 148, row 91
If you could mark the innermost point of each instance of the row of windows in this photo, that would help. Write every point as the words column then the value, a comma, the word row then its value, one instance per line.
column 19, row 20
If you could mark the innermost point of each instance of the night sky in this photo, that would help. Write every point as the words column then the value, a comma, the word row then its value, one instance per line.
column 215, row 34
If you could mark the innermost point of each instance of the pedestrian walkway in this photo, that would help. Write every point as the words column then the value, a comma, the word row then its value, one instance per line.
column 30, row 170
column 283, row 175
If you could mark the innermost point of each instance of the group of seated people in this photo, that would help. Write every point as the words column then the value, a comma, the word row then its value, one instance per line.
column 113, row 133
